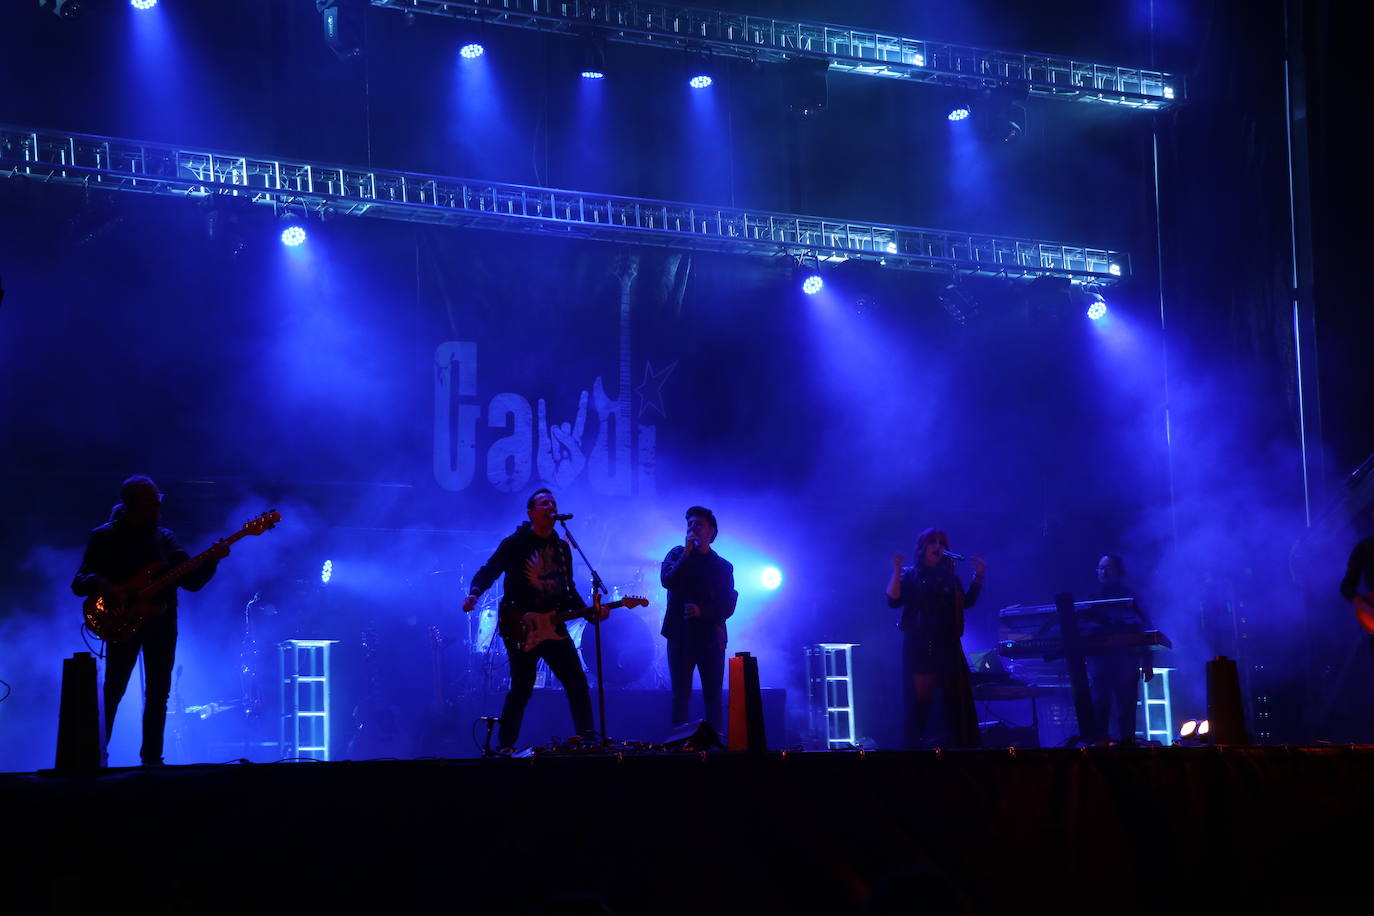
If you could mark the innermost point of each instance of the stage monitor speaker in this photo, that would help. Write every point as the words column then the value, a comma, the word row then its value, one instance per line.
column 1225, row 712
column 80, row 731
column 746, row 705
column 694, row 736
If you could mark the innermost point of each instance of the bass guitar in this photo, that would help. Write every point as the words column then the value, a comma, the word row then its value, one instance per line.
column 527, row 629
column 117, row 616
column 1363, row 615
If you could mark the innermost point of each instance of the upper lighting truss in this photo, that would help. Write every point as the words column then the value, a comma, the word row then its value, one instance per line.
column 312, row 188
column 849, row 50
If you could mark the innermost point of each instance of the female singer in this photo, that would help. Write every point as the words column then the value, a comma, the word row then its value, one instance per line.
column 935, row 673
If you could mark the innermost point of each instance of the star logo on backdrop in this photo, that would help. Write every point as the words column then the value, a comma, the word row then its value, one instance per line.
column 650, row 390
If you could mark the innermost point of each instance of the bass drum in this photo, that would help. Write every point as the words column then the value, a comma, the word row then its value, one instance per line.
column 627, row 652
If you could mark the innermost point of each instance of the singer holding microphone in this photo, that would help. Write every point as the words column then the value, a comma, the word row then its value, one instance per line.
column 701, row 597
column 935, row 678
column 537, row 564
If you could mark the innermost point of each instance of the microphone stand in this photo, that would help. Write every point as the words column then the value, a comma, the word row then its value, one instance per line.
column 598, row 589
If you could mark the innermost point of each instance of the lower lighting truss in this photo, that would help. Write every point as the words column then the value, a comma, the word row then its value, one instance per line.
column 863, row 52
column 310, row 188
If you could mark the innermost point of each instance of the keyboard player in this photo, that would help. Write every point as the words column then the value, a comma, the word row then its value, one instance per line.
column 1115, row 673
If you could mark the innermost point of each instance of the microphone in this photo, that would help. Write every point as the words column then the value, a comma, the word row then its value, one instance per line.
column 561, row 518
column 952, row 555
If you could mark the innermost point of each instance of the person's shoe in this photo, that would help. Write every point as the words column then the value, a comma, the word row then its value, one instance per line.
column 153, row 764
column 506, row 752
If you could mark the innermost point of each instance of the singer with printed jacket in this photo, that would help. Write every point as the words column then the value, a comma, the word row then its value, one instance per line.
column 701, row 597
column 935, row 677
column 537, row 566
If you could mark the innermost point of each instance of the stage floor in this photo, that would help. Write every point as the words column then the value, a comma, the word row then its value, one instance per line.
column 1097, row 829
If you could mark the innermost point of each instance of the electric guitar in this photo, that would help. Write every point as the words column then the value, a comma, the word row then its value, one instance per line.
column 525, row 630
column 118, row 616
column 1363, row 615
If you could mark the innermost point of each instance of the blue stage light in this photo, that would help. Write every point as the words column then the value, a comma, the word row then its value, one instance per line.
column 143, row 4
column 771, row 577
column 1168, row 92
column 919, row 60
column 700, row 81
column 891, row 247
column 812, row 284
column 327, row 572
column 593, row 75
column 959, row 114
column 292, row 236
column 471, row 50
column 1114, row 270
column 1098, row 308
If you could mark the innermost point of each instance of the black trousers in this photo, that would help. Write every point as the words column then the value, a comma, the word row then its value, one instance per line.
column 158, row 642
column 706, row 657
column 1115, row 682
column 565, row 665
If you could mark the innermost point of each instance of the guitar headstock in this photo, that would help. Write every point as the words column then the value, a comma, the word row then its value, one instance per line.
column 265, row 522
column 634, row 601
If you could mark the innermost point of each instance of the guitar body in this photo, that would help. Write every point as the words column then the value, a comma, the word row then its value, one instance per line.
column 114, row 618
column 117, row 617
column 528, row 629
column 1364, row 615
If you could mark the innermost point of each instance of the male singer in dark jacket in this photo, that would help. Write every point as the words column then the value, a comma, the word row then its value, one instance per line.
column 537, row 564
column 118, row 551
column 701, row 597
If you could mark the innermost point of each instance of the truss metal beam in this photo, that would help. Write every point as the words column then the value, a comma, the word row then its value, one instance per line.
column 864, row 52
column 297, row 186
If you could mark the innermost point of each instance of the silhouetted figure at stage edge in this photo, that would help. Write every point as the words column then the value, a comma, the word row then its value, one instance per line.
column 1359, row 574
column 118, row 551
column 701, row 597
column 935, row 676
column 537, row 564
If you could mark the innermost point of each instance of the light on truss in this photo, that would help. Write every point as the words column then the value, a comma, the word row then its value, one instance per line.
column 293, row 236
column 471, row 51
column 771, row 578
column 143, row 4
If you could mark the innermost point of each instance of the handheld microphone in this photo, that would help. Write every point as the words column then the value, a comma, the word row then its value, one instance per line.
column 957, row 557
column 561, row 518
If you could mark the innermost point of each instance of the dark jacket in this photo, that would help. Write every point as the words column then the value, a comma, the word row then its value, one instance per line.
column 538, row 575
column 117, row 552
column 933, row 602
column 706, row 580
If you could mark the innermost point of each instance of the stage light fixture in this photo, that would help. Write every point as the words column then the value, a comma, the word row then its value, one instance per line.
column 471, row 51
column 959, row 114
column 958, row 302
column 343, row 26
column 700, row 81
column 593, row 57
column 891, row 248
column 807, row 85
column 998, row 113
column 1168, row 92
column 701, row 68
column 143, row 4
column 812, row 284
column 919, row 60
column 327, row 572
column 293, row 236
column 1188, row 729
column 771, row 578
column 1097, row 308
column 66, row 9
column 1204, row 728
column 1114, row 270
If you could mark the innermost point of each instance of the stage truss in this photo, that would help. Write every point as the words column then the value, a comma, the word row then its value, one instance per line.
column 316, row 189
column 863, row 52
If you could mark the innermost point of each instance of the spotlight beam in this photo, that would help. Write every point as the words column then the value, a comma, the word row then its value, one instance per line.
column 846, row 49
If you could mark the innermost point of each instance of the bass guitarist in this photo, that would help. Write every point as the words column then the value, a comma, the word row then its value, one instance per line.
column 116, row 553
column 537, row 564
column 1359, row 573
